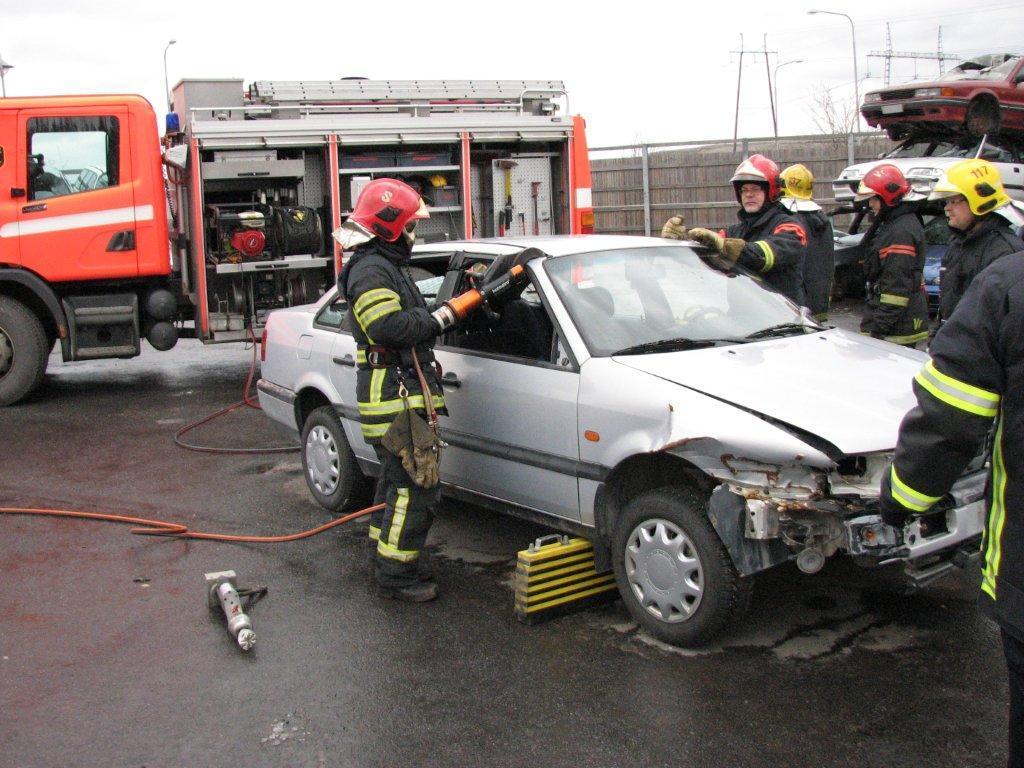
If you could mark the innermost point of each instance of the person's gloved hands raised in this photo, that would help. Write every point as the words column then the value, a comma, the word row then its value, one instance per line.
column 674, row 229
column 728, row 247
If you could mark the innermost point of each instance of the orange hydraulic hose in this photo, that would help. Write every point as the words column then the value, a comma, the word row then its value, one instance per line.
column 177, row 530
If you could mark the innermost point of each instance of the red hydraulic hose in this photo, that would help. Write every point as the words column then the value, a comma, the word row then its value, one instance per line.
column 177, row 530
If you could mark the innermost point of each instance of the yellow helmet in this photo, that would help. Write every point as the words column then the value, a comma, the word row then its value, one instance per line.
column 978, row 181
column 437, row 180
column 799, row 182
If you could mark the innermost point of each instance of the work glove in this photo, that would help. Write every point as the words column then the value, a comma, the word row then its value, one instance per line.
column 728, row 247
column 410, row 439
column 674, row 229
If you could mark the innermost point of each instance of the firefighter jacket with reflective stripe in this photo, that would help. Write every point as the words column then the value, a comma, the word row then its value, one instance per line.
column 897, row 306
column 387, row 311
column 975, row 376
column 819, row 261
column 969, row 253
column 775, row 247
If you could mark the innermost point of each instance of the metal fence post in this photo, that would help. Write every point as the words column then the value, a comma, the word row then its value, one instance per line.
column 647, row 189
column 849, row 149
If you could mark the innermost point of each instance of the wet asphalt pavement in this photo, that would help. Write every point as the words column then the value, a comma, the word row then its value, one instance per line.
column 109, row 655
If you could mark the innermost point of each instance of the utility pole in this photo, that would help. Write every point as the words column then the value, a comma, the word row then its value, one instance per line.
column 771, row 96
column 889, row 54
column 739, row 80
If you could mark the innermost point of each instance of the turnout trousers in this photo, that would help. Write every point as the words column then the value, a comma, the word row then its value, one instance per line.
column 401, row 528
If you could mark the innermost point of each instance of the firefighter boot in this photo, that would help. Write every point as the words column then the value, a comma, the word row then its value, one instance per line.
column 417, row 592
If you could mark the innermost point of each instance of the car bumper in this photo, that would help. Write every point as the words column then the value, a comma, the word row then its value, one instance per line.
column 880, row 114
column 278, row 403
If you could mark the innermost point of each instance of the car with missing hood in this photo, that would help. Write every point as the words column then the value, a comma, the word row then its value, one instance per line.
column 698, row 427
column 983, row 95
column 924, row 157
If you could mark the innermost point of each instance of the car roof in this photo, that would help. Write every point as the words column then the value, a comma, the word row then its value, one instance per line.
column 553, row 245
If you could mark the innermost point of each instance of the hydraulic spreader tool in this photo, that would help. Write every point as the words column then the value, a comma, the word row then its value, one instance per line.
column 454, row 310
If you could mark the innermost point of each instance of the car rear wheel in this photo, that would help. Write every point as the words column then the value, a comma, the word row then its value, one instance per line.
column 24, row 351
column 331, row 470
column 673, row 572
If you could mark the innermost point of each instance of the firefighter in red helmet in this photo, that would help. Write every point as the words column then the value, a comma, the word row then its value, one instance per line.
column 395, row 333
column 894, row 248
column 766, row 239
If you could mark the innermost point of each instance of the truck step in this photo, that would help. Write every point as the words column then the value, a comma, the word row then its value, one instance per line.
column 103, row 326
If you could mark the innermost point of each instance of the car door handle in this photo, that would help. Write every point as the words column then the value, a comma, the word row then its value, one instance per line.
column 34, row 208
column 346, row 360
column 450, row 380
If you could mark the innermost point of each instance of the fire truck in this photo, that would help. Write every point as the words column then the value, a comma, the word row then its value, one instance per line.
column 110, row 234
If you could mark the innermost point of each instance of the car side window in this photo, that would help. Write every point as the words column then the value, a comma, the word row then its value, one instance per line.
column 518, row 326
column 332, row 315
column 67, row 155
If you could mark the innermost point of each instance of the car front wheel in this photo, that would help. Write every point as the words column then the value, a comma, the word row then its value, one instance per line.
column 672, row 570
column 331, row 470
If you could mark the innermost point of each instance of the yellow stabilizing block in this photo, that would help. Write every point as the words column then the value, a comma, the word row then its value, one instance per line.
column 556, row 575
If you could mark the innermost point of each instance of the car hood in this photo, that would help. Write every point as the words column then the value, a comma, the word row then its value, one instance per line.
column 848, row 390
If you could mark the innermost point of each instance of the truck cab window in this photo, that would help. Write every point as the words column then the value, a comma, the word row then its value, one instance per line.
column 69, row 155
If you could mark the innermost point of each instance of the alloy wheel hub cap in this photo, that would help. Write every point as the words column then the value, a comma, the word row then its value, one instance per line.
column 322, row 460
column 664, row 570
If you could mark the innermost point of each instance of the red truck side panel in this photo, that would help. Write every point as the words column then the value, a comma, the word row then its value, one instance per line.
column 12, row 174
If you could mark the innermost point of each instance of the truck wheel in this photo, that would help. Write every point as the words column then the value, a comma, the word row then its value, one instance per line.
column 23, row 351
column 672, row 570
column 982, row 118
column 331, row 470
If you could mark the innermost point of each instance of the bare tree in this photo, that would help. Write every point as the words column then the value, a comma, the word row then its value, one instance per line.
column 830, row 115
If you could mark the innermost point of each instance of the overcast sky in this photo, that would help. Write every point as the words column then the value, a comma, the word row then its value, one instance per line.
column 640, row 71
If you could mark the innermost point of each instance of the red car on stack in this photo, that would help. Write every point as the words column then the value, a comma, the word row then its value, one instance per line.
column 984, row 95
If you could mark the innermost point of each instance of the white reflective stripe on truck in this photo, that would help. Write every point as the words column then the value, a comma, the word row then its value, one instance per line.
column 77, row 221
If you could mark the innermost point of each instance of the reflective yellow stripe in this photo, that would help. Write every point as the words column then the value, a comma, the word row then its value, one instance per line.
column 361, row 356
column 393, row 553
column 371, row 431
column 377, row 384
column 957, row 393
column 398, row 518
column 896, row 301
column 372, row 297
column 913, row 500
column 769, row 255
column 386, row 407
column 374, row 532
column 377, row 312
column 996, row 517
column 913, row 338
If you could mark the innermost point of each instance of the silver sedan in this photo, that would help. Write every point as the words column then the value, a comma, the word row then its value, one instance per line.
column 696, row 426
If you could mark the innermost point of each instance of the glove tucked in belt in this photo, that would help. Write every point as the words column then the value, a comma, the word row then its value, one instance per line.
column 410, row 439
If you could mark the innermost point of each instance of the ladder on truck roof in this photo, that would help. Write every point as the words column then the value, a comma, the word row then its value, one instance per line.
column 536, row 97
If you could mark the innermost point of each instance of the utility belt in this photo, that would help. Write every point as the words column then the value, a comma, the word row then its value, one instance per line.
column 376, row 356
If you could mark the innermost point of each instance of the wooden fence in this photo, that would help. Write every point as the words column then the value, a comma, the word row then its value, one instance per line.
column 694, row 180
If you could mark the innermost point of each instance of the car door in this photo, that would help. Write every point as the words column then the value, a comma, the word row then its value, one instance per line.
column 341, row 369
column 67, row 234
column 512, row 425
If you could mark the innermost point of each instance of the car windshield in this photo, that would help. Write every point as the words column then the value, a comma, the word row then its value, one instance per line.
column 665, row 295
column 983, row 68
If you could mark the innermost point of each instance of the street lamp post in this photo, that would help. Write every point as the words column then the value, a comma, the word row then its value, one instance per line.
column 167, row 88
column 775, row 79
column 4, row 67
column 856, row 79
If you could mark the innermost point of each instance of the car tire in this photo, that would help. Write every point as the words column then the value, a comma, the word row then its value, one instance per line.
column 673, row 572
column 328, row 464
column 24, row 351
column 983, row 118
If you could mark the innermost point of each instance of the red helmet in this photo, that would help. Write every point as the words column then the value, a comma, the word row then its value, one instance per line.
column 385, row 206
column 760, row 170
column 886, row 181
